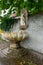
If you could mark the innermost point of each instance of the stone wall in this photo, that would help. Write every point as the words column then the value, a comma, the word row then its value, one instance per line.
column 35, row 30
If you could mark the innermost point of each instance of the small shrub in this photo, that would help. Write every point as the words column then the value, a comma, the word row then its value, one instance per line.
column 6, row 23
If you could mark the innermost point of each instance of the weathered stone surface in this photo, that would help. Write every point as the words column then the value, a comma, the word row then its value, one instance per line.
column 35, row 30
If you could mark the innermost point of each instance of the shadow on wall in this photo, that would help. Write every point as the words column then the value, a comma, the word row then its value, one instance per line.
column 35, row 30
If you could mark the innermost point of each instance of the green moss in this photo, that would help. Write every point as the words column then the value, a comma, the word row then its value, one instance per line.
column 30, row 63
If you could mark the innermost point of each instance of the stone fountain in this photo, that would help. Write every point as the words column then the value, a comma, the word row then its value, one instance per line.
column 35, row 41
column 16, row 37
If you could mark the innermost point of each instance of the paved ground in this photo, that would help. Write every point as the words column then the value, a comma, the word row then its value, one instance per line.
column 3, row 44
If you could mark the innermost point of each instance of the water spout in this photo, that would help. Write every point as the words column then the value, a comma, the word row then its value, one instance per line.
column 24, row 19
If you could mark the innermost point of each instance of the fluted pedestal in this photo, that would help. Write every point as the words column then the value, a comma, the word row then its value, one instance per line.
column 15, row 45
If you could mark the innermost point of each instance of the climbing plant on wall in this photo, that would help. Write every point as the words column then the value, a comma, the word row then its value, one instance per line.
column 15, row 6
column 33, row 6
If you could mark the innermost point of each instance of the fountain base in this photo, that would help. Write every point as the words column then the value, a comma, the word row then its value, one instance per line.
column 15, row 45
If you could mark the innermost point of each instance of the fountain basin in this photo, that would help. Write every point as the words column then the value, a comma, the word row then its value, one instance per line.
column 14, row 37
